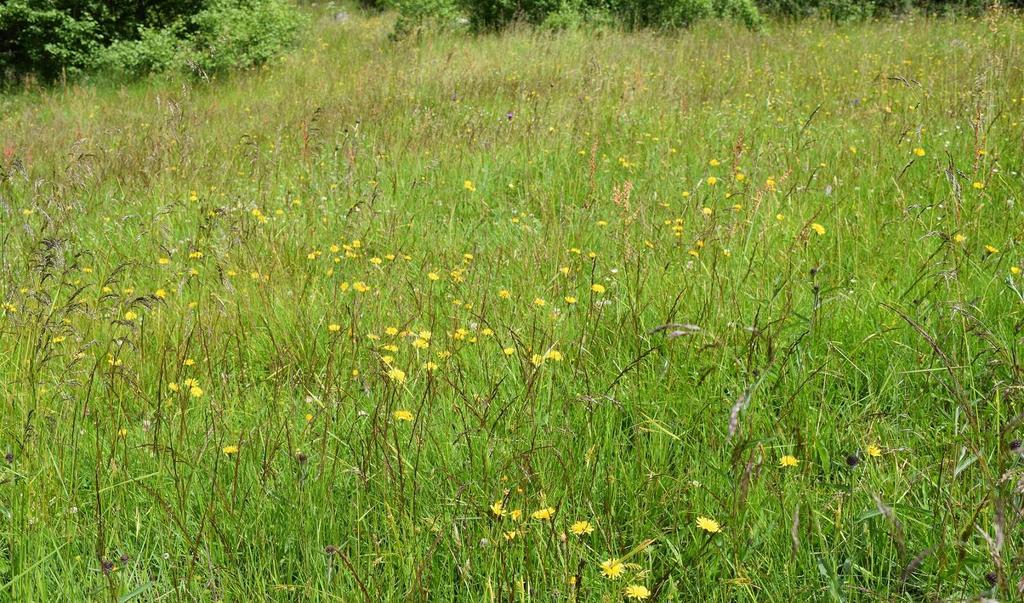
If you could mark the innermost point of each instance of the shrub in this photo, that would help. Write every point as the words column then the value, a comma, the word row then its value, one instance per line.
column 493, row 15
column 415, row 15
column 662, row 13
column 38, row 38
column 155, row 51
column 49, row 38
column 240, row 33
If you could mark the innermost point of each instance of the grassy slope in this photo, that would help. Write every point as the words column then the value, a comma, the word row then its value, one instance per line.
column 887, row 330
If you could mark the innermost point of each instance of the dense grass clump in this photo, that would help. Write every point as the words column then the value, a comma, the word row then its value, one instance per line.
column 723, row 316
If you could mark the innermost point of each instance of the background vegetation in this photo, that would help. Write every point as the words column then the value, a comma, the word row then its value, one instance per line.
column 389, row 321
column 60, row 38
column 57, row 39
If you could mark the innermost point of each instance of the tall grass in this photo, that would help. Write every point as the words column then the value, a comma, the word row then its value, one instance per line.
column 386, row 321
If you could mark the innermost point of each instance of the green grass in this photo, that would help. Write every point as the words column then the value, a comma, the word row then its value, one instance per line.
column 174, row 230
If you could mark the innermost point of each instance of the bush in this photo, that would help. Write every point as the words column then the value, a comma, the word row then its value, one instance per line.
column 494, row 15
column 415, row 15
column 155, row 51
column 50, row 38
column 853, row 10
column 240, row 33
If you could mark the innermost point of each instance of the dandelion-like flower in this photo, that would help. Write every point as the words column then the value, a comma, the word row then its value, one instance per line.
column 708, row 525
column 637, row 592
column 396, row 374
column 612, row 568
column 544, row 514
column 789, row 461
column 498, row 508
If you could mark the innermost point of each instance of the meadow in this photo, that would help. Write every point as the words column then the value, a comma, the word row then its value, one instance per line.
column 591, row 316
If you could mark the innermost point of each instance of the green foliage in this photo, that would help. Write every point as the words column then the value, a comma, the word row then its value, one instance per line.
column 856, row 10
column 40, row 38
column 416, row 15
column 241, row 33
column 493, row 15
column 50, row 38
column 155, row 51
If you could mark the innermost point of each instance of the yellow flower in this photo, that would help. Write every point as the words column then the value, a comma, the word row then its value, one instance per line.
column 543, row 514
column 229, row 450
column 433, row 276
column 537, row 360
column 919, row 152
column 498, row 508
column 195, row 391
column 509, row 351
column 789, row 461
column 403, row 415
column 1014, row 270
column 333, row 327
column 516, row 514
column 130, row 316
column 504, row 294
column 160, row 294
column 397, row 374
column 712, row 181
column 818, row 228
column 612, row 568
column 959, row 238
column 708, row 525
column 637, row 591
column 553, row 355
column 173, row 387
column 581, row 528
column 538, row 302
column 597, row 288
column 991, row 249
column 978, row 185
column 570, row 300
column 874, row 450
column 469, row 186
